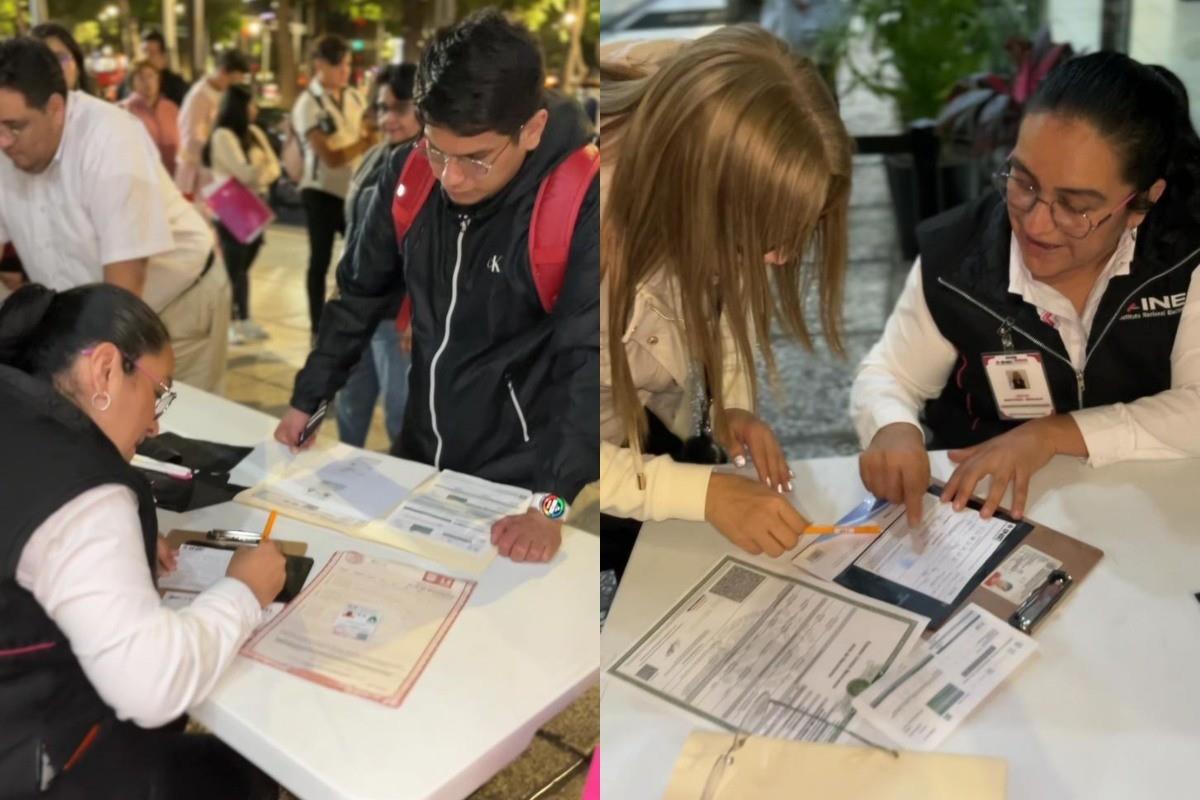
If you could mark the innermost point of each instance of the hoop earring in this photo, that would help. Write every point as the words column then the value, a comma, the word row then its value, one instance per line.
column 101, row 401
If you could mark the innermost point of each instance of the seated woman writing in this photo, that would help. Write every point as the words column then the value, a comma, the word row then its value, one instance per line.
column 93, row 667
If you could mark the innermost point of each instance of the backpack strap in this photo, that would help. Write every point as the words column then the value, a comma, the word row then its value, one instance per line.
column 555, row 213
column 412, row 190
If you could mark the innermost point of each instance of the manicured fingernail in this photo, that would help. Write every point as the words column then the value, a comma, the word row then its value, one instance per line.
column 767, row 481
column 780, row 487
column 790, row 484
column 740, row 461
column 791, row 474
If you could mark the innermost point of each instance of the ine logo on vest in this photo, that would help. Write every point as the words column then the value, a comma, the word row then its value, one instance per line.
column 1167, row 305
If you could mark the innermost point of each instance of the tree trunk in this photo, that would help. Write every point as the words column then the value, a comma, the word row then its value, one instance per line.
column 129, row 30
column 413, row 29
column 286, row 73
column 575, row 68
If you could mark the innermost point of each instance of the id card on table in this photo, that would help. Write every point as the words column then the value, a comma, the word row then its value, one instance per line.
column 1019, row 384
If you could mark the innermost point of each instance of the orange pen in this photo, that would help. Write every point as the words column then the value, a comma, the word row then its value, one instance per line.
column 266, row 534
column 823, row 530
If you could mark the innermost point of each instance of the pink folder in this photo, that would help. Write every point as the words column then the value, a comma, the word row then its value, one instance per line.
column 240, row 210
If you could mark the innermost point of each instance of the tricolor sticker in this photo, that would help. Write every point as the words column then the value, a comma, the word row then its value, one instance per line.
column 554, row 506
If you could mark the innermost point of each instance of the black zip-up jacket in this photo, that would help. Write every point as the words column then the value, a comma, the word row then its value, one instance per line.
column 498, row 387
column 52, row 454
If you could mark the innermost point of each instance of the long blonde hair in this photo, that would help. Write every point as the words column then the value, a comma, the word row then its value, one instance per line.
column 731, row 149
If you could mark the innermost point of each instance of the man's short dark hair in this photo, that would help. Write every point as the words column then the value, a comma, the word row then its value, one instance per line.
column 233, row 61
column 330, row 48
column 156, row 37
column 28, row 66
column 483, row 74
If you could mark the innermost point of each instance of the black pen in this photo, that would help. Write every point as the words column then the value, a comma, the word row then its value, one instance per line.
column 310, row 427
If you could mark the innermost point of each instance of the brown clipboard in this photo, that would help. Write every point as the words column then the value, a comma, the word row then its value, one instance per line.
column 1036, row 601
column 1078, row 560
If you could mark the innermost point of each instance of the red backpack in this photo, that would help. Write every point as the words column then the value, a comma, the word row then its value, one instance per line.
column 555, row 212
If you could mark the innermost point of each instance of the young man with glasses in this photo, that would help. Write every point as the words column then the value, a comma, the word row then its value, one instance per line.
column 1078, row 276
column 500, row 386
column 84, row 198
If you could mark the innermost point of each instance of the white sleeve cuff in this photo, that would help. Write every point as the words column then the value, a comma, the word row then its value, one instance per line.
column 1108, row 433
column 884, row 412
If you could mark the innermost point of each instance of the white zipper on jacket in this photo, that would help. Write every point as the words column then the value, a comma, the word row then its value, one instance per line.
column 462, row 231
column 520, row 414
column 1087, row 356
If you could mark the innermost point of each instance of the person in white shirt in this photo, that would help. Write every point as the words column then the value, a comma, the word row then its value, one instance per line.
column 240, row 150
column 84, row 198
column 1060, row 315
column 93, row 666
column 328, row 118
column 197, row 116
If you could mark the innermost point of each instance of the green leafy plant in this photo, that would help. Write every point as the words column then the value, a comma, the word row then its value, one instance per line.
column 920, row 49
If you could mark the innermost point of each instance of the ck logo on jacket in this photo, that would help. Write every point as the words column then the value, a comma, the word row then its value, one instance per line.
column 1167, row 305
column 493, row 264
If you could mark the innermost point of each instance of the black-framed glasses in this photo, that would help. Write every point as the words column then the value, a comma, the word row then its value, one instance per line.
column 163, row 399
column 1022, row 196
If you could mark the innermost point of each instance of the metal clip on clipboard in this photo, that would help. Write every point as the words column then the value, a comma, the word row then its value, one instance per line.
column 1040, row 601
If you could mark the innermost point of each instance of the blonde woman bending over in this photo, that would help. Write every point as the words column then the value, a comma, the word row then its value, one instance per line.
column 725, row 193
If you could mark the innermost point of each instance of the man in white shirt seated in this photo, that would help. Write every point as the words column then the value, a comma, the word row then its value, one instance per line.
column 84, row 198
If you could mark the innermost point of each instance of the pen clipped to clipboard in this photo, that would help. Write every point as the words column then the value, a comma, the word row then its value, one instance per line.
column 1018, row 570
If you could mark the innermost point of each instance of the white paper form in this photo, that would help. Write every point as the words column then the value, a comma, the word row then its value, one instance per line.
column 197, row 568
column 827, row 556
column 365, row 626
column 450, row 519
column 340, row 487
column 751, row 650
column 957, row 544
column 919, row 703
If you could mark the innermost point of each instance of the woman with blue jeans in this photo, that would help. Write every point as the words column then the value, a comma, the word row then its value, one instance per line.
column 384, row 365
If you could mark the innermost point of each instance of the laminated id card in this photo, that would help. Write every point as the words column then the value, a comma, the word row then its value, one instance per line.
column 1019, row 384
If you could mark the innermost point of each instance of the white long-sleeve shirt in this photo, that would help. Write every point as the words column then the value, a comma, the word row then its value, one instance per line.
column 86, row 567
column 912, row 362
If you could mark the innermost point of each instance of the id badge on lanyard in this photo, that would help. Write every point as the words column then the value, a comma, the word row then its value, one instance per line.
column 1018, row 380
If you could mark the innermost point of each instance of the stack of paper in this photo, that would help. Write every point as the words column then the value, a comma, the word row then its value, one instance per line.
column 444, row 516
column 920, row 702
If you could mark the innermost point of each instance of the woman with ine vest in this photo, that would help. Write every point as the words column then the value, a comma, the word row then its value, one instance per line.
column 726, row 185
column 93, row 667
column 1057, row 316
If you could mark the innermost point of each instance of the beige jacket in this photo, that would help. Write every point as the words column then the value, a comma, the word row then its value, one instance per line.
column 655, row 347
column 658, row 361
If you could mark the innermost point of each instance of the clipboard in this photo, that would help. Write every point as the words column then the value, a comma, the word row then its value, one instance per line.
column 298, row 565
column 1023, row 607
